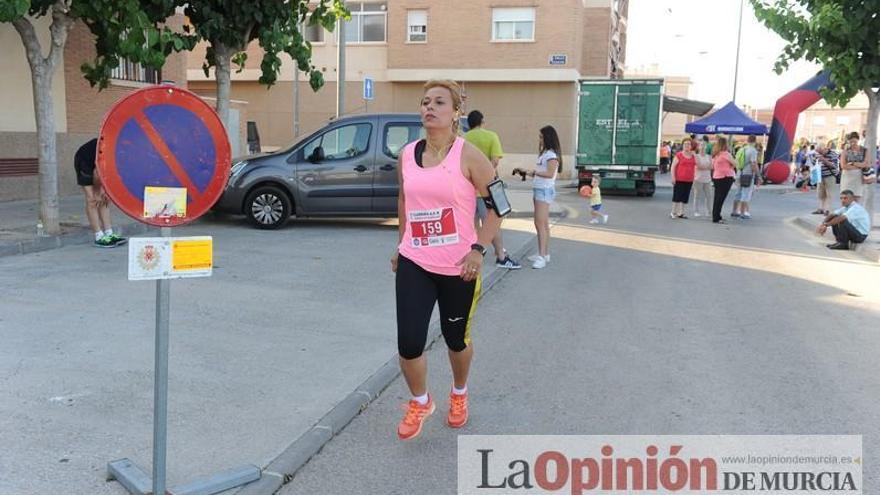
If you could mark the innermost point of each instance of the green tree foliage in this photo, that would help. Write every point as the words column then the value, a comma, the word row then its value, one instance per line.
column 229, row 26
column 841, row 35
column 133, row 30
column 122, row 28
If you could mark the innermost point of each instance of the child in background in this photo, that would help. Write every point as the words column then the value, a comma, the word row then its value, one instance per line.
column 596, row 202
column 803, row 183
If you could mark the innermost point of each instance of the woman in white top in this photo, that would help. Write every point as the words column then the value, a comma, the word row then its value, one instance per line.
column 703, row 182
column 544, row 189
column 853, row 164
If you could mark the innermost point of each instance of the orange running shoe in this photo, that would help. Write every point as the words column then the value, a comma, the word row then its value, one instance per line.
column 458, row 410
column 416, row 414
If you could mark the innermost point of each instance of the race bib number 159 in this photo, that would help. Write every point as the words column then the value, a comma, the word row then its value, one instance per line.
column 433, row 227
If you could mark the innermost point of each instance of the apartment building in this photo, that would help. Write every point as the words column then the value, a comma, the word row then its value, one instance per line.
column 518, row 62
column 822, row 122
column 79, row 108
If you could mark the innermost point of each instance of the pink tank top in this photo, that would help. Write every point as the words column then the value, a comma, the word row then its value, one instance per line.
column 440, row 204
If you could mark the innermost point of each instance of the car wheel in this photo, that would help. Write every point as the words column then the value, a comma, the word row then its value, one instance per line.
column 267, row 207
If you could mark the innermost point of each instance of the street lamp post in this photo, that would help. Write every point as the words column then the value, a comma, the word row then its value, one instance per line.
column 738, row 41
column 296, row 92
column 340, row 69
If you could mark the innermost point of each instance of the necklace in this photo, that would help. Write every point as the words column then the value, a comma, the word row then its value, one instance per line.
column 440, row 152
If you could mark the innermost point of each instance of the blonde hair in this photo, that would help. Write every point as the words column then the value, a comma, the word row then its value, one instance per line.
column 720, row 146
column 455, row 90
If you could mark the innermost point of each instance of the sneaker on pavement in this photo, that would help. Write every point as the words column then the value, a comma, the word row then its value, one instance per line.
column 534, row 257
column 604, row 218
column 746, row 216
column 508, row 263
column 540, row 262
column 734, row 215
column 118, row 240
column 458, row 410
column 416, row 414
column 105, row 242
column 594, row 221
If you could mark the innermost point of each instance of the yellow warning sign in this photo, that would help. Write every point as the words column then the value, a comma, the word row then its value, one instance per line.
column 192, row 254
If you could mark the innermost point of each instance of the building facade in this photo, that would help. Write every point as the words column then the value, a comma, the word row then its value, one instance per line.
column 822, row 122
column 680, row 86
column 79, row 108
column 518, row 62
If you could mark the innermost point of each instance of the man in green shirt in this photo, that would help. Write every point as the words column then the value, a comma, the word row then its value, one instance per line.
column 488, row 142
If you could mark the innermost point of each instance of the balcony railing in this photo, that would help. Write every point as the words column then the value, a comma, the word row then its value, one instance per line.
column 130, row 71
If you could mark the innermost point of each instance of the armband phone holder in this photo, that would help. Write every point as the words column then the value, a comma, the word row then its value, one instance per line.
column 497, row 199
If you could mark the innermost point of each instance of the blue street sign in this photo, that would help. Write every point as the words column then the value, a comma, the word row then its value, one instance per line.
column 368, row 88
column 558, row 59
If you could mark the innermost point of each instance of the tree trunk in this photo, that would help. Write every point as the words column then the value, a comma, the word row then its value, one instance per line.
column 871, row 138
column 223, row 74
column 42, row 72
column 48, row 155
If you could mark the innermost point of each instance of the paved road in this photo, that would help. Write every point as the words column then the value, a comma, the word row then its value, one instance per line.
column 646, row 326
column 291, row 322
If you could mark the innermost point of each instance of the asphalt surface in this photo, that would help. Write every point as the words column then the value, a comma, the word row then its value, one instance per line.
column 291, row 322
column 646, row 325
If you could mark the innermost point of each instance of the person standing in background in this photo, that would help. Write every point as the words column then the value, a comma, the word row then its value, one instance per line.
column 723, row 174
column 749, row 178
column 664, row 157
column 703, row 181
column 683, row 171
column 544, row 190
column 488, row 142
column 827, row 190
column 854, row 162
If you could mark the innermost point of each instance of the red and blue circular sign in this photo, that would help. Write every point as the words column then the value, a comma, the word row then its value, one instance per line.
column 163, row 137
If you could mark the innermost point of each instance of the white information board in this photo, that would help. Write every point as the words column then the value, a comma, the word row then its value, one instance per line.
column 154, row 258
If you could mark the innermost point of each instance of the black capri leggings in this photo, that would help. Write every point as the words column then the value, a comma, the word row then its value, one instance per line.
column 722, row 187
column 417, row 291
column 681, row 192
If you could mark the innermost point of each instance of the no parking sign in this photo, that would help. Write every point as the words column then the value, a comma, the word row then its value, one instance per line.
column 163, row 156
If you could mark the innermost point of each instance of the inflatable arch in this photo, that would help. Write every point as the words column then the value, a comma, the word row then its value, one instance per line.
column 785, row 117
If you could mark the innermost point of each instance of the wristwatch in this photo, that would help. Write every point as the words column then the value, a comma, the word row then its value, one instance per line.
column 479, row 248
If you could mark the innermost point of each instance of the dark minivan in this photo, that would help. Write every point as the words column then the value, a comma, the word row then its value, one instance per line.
column 346, row 168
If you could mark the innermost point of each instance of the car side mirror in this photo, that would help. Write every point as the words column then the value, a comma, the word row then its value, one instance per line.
column 317, row 155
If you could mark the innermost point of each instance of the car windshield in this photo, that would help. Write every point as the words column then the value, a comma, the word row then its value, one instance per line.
column 304, row 138
column 287, row 148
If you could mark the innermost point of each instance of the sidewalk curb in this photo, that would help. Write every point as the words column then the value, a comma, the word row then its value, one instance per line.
column 76, row 237
column 284, row 467
column 866, row 251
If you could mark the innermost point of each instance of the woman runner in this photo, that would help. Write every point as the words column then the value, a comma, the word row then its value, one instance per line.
column 440, row 254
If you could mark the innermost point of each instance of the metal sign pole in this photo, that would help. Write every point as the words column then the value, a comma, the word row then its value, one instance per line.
column 144, row 253
column 160, row 386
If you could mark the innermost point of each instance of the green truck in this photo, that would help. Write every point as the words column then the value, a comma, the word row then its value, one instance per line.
column 618, row 137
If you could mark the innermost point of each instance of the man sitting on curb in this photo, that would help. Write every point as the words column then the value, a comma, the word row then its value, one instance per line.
column 849, row 223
